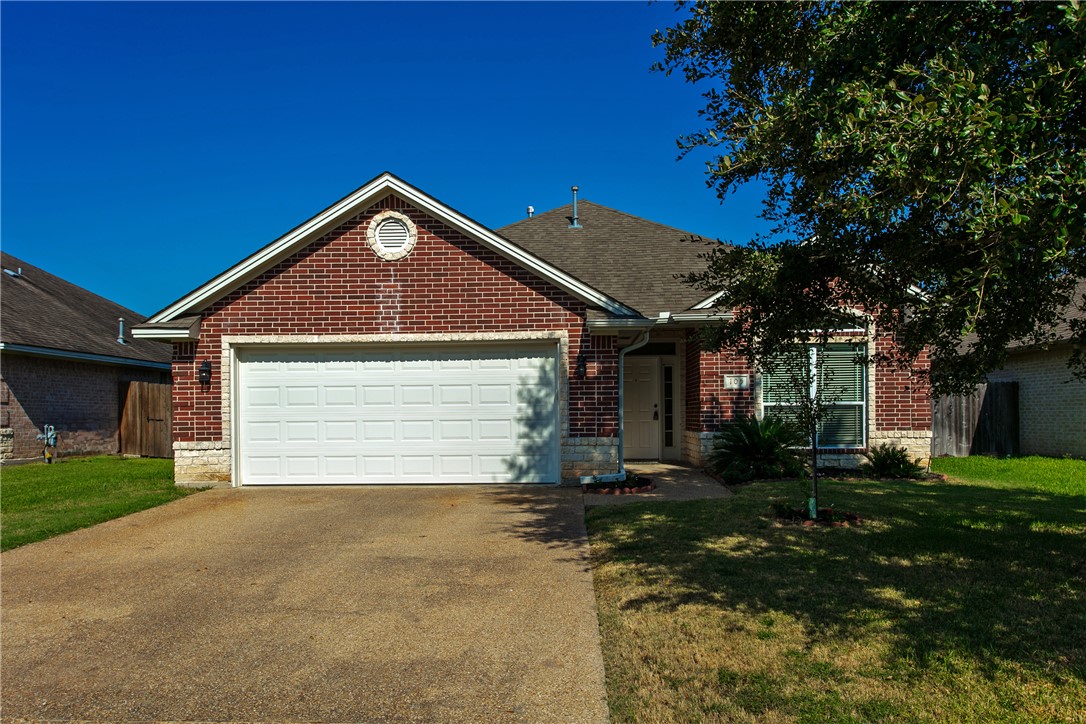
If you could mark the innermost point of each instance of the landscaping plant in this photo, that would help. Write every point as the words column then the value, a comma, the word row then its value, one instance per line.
column 888, row 461
column 752, row 449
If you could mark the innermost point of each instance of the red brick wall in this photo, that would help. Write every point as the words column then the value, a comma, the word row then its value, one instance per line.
column 708, row 404
column 902, row 400
column 449, row 283
column 80, row 399
column 901, row 397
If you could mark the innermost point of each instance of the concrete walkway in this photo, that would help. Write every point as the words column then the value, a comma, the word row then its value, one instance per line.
column 434, row 604
column 673, row 482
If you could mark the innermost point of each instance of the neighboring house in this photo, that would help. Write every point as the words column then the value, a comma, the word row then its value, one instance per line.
column 62, row 364
column 392, row 339
column 1051, row 403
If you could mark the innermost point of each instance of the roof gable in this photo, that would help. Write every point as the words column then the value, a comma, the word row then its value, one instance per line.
column 45, row 312
column 352, row 204
column 629, row 258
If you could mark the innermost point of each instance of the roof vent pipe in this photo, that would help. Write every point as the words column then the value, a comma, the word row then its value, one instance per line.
column 120, row 331
column 574, row 224
column 531, row 211
column 17, row 273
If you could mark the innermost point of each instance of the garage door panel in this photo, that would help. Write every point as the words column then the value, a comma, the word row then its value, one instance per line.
column 417, row 395
column 454, row 430
column 341, row 396
column 258, row 432
column 262, row 397
column 496, row 430
column 378, row 395
column 341, row 467
column 455, row 466
column 307, row 431
column 417, row 466
column 341, row 431
column 378, row 467
column 417, row 431
column 454, row 394
column 496, row 394
column 264, row 468
column 297, row 396
column 427, row 415
column 378, row 430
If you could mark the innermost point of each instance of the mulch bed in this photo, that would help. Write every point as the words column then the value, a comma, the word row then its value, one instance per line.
column 643, row 485
column 826, row 517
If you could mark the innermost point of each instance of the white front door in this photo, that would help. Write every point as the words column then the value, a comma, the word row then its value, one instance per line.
column 440, row 414
column 641, row 408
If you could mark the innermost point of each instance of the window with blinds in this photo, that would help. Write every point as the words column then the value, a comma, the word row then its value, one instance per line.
column 837, row 372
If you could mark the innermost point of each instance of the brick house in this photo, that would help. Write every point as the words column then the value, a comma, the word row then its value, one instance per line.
column 1051, row 403
column 62, row 364
column 392, row 339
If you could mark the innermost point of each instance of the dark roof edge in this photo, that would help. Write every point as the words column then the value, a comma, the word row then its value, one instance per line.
column 81, row 356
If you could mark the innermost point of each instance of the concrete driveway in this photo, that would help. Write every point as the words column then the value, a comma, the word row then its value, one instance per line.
column 312, row 604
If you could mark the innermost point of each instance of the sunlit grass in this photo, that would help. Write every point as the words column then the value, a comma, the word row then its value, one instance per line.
column 38, row 501
column 1052, row 475
column 959, row 601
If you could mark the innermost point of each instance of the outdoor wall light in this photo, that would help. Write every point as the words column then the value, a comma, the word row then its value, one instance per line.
column 582, row 366
column 205, row 372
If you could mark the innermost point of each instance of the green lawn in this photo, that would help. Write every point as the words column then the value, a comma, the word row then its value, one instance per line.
column 959, row 601
column 38, row 501
column 1052, row 475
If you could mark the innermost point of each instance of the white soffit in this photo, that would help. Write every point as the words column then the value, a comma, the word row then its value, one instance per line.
column 356, row 202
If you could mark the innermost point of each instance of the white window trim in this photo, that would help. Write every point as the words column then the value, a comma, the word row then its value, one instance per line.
column 812, row 351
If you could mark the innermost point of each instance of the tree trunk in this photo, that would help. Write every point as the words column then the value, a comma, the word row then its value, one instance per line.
column 812, row 502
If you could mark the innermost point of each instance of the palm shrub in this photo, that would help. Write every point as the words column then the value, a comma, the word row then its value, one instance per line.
column 890, row 461
column 753, row 449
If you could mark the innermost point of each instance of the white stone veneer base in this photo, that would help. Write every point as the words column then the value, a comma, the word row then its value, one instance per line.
column 588, row 456
column 201, row 464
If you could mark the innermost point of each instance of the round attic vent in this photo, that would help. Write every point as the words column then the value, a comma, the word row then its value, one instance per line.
column 391, row 235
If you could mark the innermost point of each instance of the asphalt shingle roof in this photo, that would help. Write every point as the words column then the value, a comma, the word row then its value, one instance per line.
column 42, row 310
column 630, row 259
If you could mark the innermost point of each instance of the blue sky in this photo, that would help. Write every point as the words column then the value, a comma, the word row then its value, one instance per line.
column 149, row 146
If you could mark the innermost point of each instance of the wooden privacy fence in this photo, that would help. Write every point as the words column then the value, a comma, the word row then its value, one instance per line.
column 983, row 423
column 146, row 420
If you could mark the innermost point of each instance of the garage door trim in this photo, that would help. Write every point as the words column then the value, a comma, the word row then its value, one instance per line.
column 235, row 344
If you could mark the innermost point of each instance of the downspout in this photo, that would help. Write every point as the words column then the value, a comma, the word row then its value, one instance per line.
column 620, row 476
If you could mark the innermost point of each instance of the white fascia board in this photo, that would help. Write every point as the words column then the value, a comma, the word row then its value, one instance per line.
column 82, row 356
column 328, row 219
column 709, row 302
column 702, row 316
column 674, row 319
column 180, row 334
column 637, row 323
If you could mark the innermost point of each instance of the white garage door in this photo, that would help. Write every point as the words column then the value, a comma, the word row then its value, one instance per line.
column 412, row 415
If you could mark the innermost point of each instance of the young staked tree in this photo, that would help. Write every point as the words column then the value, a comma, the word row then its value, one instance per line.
column 925, row 163
column 800, row 378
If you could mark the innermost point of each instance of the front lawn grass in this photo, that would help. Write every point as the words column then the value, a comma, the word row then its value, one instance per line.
column 957, row 601
column 39, row 501
column 1053, row 475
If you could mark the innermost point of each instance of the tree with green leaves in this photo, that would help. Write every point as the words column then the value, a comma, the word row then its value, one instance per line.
column 925, row 163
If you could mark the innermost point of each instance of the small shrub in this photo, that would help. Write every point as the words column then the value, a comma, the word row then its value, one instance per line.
column 890, row 461
column 753, row 449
